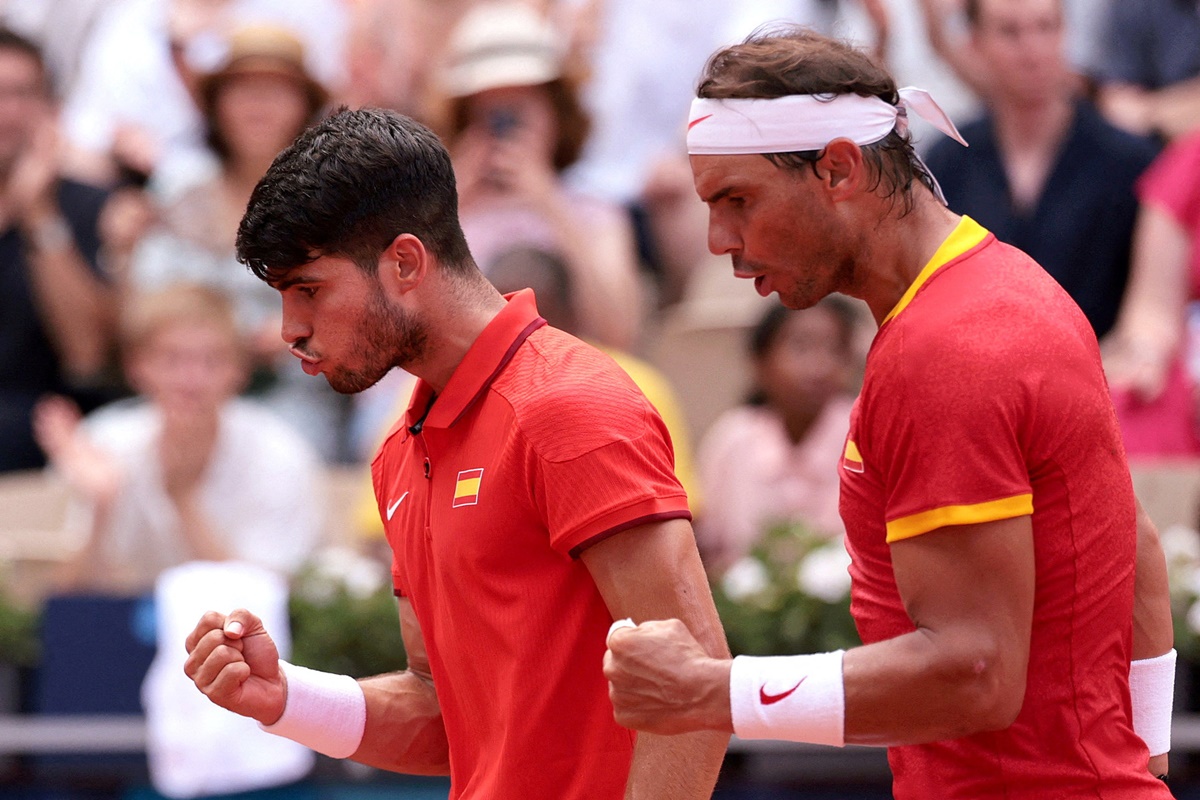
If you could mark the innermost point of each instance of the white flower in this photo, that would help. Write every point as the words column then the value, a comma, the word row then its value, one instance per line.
column 1186, row 581
column 824, row 573
column 744, row 579
column 1181, row 545
column 1193, row 618
column 340, row 566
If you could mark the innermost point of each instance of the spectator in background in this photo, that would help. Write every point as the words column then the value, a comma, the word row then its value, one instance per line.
column 56, row 308
column 393, row 49
column 1147, row 354
column 60, row 29
column 254, row 105
column 133, row 113
column 1044, row 171
column 190, row 473
column 1149, row 72
column 195, row 496
column 515, row 123
column 775, row 459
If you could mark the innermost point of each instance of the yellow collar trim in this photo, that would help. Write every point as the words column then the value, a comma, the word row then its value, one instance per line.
column 965, row 236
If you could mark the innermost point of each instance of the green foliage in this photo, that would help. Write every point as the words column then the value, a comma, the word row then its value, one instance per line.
column 1181, row 546
column 343, row 623
column 790, row 595
column 20, row 644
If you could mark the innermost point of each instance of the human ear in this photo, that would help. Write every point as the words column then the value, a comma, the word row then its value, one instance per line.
column 403, row 264
column 841, row 166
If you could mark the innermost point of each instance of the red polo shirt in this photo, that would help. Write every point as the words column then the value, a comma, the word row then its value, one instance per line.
column 984, row 399
column 538, row 447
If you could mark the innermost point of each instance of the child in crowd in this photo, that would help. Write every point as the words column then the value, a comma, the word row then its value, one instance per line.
column 186, row 471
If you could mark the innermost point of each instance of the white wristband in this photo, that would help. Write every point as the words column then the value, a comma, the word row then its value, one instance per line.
column 796, row 698
column 325, row 712
column 1152, row 690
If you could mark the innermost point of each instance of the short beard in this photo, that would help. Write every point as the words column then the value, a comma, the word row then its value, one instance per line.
column 390, row 337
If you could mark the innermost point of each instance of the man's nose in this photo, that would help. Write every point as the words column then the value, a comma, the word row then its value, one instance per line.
column 722, row 240
column 294, row 326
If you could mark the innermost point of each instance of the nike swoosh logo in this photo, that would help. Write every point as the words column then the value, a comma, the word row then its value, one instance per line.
column 771, row 699
column 392, row 508
column 697, row 121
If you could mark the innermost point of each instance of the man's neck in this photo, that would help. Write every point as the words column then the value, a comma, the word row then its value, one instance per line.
column 901, row 247
column 453, row 326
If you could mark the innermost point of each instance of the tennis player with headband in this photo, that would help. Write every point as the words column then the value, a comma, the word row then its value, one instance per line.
column 1009, row 590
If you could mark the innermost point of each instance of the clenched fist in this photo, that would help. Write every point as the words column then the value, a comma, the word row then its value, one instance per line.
column 234, row 662
column 660, row 680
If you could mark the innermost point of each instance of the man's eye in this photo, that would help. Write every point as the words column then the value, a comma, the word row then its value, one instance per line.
column 307, row 291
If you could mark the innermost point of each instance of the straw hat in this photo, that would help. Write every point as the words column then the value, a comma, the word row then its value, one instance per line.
column 501, row 44
column 263, row 50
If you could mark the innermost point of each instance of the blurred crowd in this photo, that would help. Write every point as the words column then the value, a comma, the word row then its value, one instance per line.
column 141, row 360
column 145, row 365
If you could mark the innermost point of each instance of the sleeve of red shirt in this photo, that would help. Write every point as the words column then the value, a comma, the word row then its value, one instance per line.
column 602, row 463
column 379, row 468
column 946, row 437
column 1173, row 181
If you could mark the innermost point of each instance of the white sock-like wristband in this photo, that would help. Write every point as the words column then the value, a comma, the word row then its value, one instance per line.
column 325, row 712
column 1152, row 690
column 796, row 698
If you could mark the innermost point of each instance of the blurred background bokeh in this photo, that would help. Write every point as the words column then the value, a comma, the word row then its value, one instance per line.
column 159, row 448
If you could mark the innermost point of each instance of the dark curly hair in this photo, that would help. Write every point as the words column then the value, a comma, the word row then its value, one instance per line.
column 782, row 59
column 347, row 187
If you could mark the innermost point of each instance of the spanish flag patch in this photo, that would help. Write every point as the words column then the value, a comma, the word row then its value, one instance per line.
column 852, row 459
column 466, row 488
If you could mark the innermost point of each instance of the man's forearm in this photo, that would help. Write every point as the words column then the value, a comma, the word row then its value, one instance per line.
column 1175, row 109
column 670, row 767
column 404, row 730
column 79, row 309
column 1153, row 632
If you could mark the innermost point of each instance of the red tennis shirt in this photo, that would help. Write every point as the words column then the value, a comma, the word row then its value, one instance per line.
column 984, row 399
column 538, row 447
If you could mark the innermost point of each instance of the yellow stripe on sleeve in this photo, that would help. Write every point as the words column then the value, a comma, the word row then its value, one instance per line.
column 915, row 524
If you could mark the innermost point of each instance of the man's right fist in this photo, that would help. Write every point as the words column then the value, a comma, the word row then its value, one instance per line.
column 234, row 662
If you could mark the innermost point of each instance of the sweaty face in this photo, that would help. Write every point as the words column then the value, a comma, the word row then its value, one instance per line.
column 388, row 337
column 776, row 226
column 339, row 322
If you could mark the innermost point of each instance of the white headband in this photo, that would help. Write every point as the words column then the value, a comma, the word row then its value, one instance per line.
column 800, row 122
